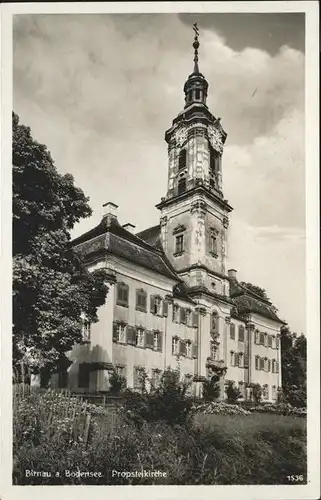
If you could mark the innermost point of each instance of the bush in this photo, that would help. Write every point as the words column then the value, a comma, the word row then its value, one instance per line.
column 220, row 408
column 232, row 392
column 168, row 402
column 117, row 383
column 211, row 388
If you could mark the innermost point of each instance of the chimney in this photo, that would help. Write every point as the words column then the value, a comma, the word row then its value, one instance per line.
column 129, row 227
column 232, row 273
column 110, row 210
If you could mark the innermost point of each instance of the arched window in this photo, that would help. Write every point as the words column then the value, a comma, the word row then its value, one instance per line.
column 214, row 159
column 181, row 185
column 214, row 322
column 182, row 160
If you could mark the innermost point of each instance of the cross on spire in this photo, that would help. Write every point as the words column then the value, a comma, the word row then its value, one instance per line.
column 196, row 46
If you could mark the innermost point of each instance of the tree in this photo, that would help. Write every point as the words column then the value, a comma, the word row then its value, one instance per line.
column 51, row 287
column 117, row 383
column 293, row 363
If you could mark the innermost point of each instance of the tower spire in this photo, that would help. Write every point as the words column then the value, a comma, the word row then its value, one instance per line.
column 196, row 45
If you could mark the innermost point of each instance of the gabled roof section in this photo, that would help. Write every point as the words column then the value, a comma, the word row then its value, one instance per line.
column 109, row 237
column 246, row 301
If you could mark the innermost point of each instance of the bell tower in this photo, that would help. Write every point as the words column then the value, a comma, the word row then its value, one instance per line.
column 194, row 213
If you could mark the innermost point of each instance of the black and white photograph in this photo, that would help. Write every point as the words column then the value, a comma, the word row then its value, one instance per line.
column 163, row 268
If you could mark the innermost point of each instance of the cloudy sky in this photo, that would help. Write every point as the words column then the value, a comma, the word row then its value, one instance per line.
column 100, row 91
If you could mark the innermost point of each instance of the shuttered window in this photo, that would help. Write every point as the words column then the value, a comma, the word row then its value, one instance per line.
column 141, row 300
column 262, row 338
column 241, row 333
column 182, row 348
column 165, row 308
column 119, row 332
column 131, row 335
column 269, row 341
column 232, row 331
column 261, row 363
column 149, row 339
column 236, row 359
column 122, row 294
column 155, row 304
column 195, row 319
column 257, row 362
column 182, row 315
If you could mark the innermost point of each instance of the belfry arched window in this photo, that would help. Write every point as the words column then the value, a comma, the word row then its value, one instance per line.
column 181, row 185
column 214, row 159
column 182, row 160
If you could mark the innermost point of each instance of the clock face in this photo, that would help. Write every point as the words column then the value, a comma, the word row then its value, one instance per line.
column 215, row 138
column 180, row 136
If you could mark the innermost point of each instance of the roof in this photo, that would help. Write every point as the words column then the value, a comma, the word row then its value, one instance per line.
column 111, row 238
column 152, row 235
column 246, row 301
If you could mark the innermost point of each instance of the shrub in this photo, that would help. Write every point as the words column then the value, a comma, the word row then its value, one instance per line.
column 211, row 388
column 219, row 408
column 168, row 402
column 232, row 392
column 256, row 392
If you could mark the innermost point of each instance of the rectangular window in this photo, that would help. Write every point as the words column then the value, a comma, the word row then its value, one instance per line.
column 241, row 360
column 141, row 300
column 232, row 331
column 175, row 345
column 270, row 341
column 156, row 305
column 246, row 360
column 273, row 366
column 266, row 340
column 241, row 333
column 84, row 375
column 197, row 94
column 257, row 362
column 194, row 350
column 122, row 294
column 273, row 392
column 257, row 337
column 213, row 244
column 140, row 337
column 277, row 343
column 262, row 336
column 262, row 363
column 179, row 244
column 277, row 367
column 232, row 358
column 182, row 348
column 157, row 341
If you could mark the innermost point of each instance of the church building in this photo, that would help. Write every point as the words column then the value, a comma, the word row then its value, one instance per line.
column 171, row 300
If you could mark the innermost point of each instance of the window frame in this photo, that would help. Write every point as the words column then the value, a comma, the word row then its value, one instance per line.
column 120, row 288
column 140, row 292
